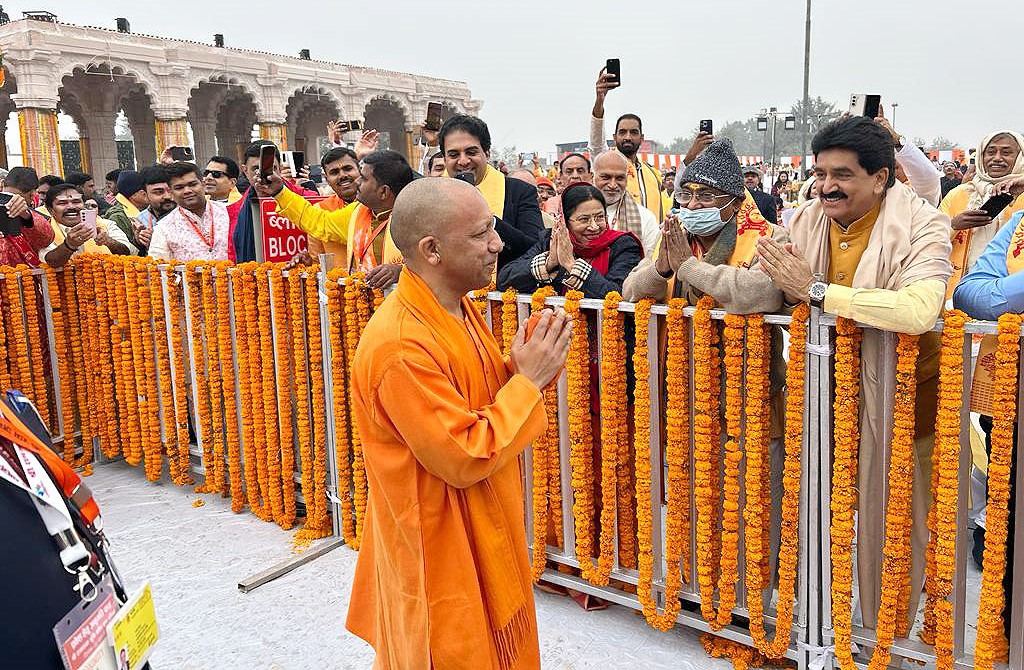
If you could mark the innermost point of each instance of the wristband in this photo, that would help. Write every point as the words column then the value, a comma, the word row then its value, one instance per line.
column 71, row 248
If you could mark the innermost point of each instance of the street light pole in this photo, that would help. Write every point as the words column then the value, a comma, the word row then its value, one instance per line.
column 807, row 82
column 894, row 106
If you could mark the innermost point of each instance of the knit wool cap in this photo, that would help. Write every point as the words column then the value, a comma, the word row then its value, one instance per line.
column 718, row 167
column 129, row 182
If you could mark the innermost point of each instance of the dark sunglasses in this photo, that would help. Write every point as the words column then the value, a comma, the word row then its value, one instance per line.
column 216, row 174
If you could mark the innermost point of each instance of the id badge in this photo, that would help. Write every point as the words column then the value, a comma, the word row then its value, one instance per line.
column 81, row 634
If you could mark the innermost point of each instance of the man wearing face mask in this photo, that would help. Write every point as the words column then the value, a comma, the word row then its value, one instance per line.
column 870, row 249
column 611, row 176
column 1001, row 161
column 709, row 247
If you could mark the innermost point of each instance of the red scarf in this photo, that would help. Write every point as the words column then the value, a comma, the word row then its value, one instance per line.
column 598, row 251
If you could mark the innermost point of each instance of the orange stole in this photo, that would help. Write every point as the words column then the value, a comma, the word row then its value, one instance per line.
column 316, row 245
column 750, row 225
column 366, row 236
column 984, row 369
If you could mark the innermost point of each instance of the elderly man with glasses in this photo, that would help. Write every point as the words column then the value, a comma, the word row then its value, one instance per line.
column 710, row 246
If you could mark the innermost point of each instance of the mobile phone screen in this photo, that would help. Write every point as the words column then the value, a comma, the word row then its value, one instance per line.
column 612, row 67
column 268, row 154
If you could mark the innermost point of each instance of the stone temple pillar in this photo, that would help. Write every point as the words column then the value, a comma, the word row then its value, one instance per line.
column 203, row 131
column 99, row 129
column 40, row 143
column 171, row 132
column 276, row 133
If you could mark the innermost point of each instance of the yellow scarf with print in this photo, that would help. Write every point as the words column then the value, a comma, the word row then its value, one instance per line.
column 493, row 189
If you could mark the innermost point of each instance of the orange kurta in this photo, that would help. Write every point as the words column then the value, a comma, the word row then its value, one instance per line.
column 318, row 246
column 443, row 577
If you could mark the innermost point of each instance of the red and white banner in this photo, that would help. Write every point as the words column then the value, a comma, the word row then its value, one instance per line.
column 281, row 238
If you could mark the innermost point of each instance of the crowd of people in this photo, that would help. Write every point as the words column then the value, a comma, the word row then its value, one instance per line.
column 875, row 232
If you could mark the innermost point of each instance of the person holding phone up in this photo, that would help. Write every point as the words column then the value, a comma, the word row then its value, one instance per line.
column 77, row 230
column 24, row 232
column 974, row 223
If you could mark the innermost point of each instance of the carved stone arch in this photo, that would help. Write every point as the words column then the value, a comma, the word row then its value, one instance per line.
column 222, row 110
column 390, row 117
column 307, row 112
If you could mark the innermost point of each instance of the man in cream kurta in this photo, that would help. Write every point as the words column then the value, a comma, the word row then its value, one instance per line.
column 443, row 578
column 870, row 249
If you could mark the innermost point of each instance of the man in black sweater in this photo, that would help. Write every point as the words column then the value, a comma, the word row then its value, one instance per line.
column 466, row 145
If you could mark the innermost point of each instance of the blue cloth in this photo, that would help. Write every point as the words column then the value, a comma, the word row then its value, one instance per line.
column 989, row 290
column 244, row 238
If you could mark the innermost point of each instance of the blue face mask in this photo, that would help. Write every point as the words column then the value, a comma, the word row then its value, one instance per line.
column 701, row 222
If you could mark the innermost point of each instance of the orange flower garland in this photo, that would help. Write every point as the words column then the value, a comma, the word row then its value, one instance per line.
column 56, row 290
column 677, row 443
column 581, row 460
column 16, row 331
column 479, row 298
column 163, row 364
column 77, row 375
column 645, row 516
column 35, row 340
column 741, row 655
column 339, row 397
column 613, row 394
column 318, row 524
column 153, row 446
column 81, row 351
column 111, row 439
column 270, row 404
column 940, row 554
column 5, row 374
column 282, row 459
column 892, row 608
column 991, row 643
column 353, row 289
column 301, row 353
column 193, row 283
column 509, row 319
column 257, row 484
column 546, row 494
column 227, row 375
column 846, row 443
column 136, row 404
column 175, row 286
column 625, row 485
column 124, row 375
column 215, row 466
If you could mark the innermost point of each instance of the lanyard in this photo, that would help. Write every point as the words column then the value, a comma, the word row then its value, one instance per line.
column 54, row 513
column 369, row 244
column 195, row 223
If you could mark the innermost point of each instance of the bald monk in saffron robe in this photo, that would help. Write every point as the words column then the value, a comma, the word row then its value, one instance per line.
column 443, row 578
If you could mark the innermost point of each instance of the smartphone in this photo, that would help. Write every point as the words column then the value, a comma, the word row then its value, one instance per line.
column 527, row 157
column 296, row 160
column 612, row 67
column 89, row 218
column 434, row 111
column 996, row 204
column 865, row 104
column 972, row 161
column 8, row 226
column 349, row 126
column 268, row 156
column 468, row 177
column 183, row 154
column 707, row 126
column 316, row 174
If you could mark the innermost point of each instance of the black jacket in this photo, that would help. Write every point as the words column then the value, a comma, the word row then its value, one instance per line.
column 520, row 224
column 766, row 204
column 625, row 255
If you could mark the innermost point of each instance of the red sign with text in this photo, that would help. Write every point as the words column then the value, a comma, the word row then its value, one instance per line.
column 282, row 239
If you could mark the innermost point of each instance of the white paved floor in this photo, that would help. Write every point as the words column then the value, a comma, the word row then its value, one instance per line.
column 195, row 557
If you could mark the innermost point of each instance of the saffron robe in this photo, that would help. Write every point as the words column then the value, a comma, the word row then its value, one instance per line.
column 443, row 578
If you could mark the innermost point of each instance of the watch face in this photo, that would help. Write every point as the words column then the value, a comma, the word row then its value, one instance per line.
column 817, row 291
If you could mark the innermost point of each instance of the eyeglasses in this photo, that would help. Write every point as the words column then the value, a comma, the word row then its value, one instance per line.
column 684, row 196
column 587, row 219
column 216, row 174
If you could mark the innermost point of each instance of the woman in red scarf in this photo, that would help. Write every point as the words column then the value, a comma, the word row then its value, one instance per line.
column 582, row 253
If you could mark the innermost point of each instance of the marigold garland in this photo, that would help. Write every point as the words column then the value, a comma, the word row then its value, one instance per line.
column 613, row 394
column 257, row 486
column 282, row 459
column 270, row 404
column 175, row 287
column 846, row 443
column 87, row 391
column 56, row 289
column 124, row 374
column 136, row 404
column 40, row 397
column 509, row 319
column 163, row 365
column 153, row 448
column 318, row 523
column 301, row 353
column 194, row 288
column 112, row 274
column 759, row 351
column 677, row 443
column 991, row 642
column 479, row 298
column 645, row 515
column 339, row 396
column 546, row 493
column 353, row 291
column 110, row 442
column 625, row 485
column 741, row 656
column 581, row 461
column 5, row 374
column 16, row 331
column 77, row 370
column 225, row 340
column 707, row 448
column 940, row 554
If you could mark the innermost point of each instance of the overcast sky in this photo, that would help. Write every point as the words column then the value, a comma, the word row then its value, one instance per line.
column 950, row 64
